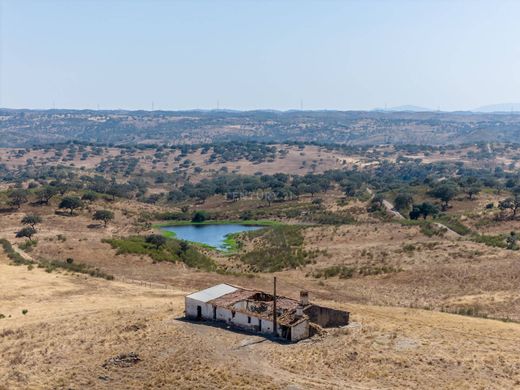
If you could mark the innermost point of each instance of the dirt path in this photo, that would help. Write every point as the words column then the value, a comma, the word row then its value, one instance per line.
column 391, row 210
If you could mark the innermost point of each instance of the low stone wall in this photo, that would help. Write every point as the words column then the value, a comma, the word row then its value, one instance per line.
column 327, row 317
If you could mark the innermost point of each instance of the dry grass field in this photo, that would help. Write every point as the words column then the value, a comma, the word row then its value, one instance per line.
column 74, row 325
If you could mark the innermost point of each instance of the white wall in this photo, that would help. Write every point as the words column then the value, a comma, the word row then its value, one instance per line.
column 225, row 315
column 300, row 331
column 191, row 308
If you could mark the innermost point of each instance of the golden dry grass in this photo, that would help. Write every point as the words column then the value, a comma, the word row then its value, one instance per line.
column 74, row 324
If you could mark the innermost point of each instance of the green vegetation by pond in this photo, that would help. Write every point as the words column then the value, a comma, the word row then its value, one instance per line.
column 173, row 251
column 281, row 248
column 231, row 243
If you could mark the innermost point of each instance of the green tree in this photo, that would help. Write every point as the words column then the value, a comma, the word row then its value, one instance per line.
column 32, row 220
column 103, row 215
column 117, row 190
column 199, row 216
column 403, row 201
column 445, row 192
column 70, row 202
column 18, row 197
column 26, row 232
column 424, row 210
column 46, row 193
column 473, row 190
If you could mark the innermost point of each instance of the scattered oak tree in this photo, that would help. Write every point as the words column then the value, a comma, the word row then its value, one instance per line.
column 403, row 201
column 103, row 215
column 424, row 210
column 199, row 216
column 26, row 232
column 46, row 193
column 445, row 192
column 32, row 220
column 18, row 197
column 70, row 202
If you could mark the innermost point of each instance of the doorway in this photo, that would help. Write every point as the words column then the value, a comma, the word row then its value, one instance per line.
column 199, row 312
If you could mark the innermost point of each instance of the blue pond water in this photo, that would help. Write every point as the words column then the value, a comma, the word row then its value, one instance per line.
column 212, row 235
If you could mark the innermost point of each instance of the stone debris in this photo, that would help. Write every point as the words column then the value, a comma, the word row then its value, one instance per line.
column 123, row 360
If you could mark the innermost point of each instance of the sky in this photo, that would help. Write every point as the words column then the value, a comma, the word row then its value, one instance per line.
column 175, row 55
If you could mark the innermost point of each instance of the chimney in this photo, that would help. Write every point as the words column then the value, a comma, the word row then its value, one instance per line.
column 299, row 311
column 304, row 298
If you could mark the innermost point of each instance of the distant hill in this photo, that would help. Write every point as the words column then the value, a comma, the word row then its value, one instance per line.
column 409, row 108
column 398, row 125
column 504, row 107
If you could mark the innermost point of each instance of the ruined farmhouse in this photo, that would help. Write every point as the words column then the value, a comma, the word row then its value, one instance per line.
column 262, row 312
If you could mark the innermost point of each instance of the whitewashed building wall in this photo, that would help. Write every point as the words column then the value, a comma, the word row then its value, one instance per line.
column 300, row 331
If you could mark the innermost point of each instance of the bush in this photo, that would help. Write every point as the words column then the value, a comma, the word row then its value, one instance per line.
column 156, row 239
column 498, row 241
column 50, row 266
column 347, row 272
column 12, row 254
column 454, row 224
column 199, row 217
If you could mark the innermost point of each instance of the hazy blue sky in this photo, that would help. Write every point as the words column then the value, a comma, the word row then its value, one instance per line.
column 259, row 54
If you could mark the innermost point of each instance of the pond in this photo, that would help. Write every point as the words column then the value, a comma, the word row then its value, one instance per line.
column 212, row 235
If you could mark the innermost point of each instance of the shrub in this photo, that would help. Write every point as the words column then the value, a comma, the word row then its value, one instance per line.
column 493, row 241
column 156, row 239
column 26, row 232
column 347, row 272
column 199, row 216
column 12, row 254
